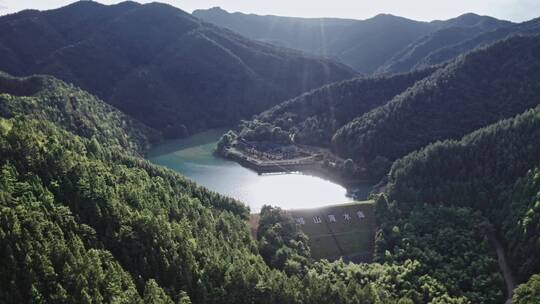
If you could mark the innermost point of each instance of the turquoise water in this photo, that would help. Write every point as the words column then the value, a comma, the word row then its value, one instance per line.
column 193, row 158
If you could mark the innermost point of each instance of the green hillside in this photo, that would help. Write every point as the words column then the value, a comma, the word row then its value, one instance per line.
column 481, row 171
column 483, row 39
column 376, row 120
column 83, row 220
column 474, row 91
column 313, row 118
column 450, row 199
column 48, row 99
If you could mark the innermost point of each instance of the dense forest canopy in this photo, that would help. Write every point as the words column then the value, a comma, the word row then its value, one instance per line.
column 475, row 90
column 314, row 117
column 160, row 65
column 85, row 219
column 77, row 111
column 493, row 170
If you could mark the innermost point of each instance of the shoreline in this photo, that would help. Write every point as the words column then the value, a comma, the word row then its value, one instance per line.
column 307, row 166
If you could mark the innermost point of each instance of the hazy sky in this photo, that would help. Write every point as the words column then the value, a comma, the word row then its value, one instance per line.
column 515, row 10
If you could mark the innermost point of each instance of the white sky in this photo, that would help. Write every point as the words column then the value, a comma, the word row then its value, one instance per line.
column 515, row 10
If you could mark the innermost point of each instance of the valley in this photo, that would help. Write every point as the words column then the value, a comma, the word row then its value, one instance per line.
column 150, row 155
column 194, row 157
column 304, row 196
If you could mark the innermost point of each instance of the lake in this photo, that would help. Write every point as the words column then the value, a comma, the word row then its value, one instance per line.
column 193, row 157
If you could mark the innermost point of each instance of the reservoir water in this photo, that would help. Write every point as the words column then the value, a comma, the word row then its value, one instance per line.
column 193, row 157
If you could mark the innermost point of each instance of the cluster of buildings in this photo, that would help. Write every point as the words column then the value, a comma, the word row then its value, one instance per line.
column 269, row 151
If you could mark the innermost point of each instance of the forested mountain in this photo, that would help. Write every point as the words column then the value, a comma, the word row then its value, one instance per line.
column 368, row 44
column 311, row 35
column 83, row 220
column 382, row 44
column 49, row 99
column 362, row 44
column 472, row 168
column 160, row 65
column 493, row 170
column 314, row 117
column 480, row 171
column 475, row 90
column 452, row 32
column 450, row 52
column 378, row 119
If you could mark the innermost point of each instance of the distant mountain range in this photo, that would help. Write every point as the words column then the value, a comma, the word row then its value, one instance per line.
column 306, row 34
column 382, row 44
column 161, row 65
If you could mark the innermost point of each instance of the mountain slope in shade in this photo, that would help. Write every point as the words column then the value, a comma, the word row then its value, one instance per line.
column 361, row 44
column 159, row 64
column 452, row 51
column 368, row 44
column 382, row 44
column 475, row 90
column 311, row 35
column 313, row 117
column 452, row 32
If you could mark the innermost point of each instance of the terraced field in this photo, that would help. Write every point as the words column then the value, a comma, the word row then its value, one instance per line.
column 345, row 230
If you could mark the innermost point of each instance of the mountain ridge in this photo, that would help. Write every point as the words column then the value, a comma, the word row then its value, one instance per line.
column 446, row 111
column 119, row 52
column 368, row 53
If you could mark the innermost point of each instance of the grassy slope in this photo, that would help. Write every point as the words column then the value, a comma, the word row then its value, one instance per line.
column 341, row 238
